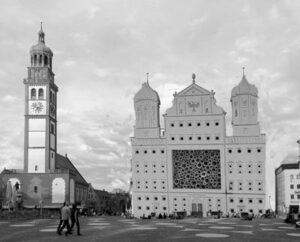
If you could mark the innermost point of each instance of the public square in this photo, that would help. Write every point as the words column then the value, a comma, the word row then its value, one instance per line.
column 120, row 229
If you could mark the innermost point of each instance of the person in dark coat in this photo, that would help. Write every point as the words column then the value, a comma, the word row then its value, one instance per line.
column 75, row 219
column 60, row 219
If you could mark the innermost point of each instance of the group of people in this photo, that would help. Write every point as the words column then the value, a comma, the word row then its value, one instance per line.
column 68, row 213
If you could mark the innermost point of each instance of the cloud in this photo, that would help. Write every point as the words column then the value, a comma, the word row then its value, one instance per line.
column 247, row 44
column 10, row 99
column 102, row 72
column 69, row 63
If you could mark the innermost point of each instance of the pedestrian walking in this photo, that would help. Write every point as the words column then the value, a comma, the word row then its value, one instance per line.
column 75, row 218
column 65, row 216
column 60, row 219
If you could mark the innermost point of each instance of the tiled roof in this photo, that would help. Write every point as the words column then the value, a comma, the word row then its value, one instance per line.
column 63, row 162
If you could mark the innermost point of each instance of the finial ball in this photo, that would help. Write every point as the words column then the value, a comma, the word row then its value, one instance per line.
column 194, row 76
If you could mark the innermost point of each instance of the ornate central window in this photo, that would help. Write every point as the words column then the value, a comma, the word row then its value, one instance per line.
column 196, row 169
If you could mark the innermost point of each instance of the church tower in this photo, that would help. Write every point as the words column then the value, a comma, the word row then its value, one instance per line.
column 244, row 109
column 146, row 105
column 40, row 110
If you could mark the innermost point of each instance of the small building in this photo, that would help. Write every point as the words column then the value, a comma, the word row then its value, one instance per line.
column 50, row 189
column 287, row 192
column 103, row 201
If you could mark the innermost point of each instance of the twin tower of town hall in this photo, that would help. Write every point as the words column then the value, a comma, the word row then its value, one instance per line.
column 191, row 165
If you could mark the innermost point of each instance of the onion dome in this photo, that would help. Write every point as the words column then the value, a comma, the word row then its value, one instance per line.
column 146, row 93
column 244, row 87
column 40, row 47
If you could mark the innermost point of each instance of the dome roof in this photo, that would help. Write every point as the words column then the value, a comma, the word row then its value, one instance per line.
column 41, row 47
column 146, row 93
column 244, row 87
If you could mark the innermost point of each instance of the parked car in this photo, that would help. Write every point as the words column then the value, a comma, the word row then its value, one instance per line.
column 178, row 215
column 268, row 214
column 246, row 216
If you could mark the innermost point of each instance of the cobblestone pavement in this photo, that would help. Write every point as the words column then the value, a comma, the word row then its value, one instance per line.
column 120, row 229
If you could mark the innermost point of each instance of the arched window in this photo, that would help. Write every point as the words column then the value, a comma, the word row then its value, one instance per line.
column 33, row 93
column 58, row 190
column 40, row 60
column 35, row 60
column 45, row 60
column 41, row 93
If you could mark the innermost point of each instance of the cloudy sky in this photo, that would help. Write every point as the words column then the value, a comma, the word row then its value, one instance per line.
column 102, row 50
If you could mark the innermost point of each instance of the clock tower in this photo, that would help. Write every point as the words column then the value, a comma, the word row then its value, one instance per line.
column 40, row 110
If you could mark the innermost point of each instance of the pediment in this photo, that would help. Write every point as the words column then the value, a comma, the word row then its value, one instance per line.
column 193, row 90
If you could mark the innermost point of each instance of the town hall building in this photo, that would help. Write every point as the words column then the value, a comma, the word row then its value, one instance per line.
column 192, row 165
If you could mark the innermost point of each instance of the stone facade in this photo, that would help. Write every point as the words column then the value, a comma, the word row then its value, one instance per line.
column 192, row 165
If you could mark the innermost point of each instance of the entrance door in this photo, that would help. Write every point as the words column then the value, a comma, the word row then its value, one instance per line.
column 197, row 210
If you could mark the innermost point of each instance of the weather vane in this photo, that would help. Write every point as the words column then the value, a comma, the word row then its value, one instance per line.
column 243, row 71
column 147, row 77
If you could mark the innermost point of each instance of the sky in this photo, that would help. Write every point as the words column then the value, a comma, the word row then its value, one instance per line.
column 103, row 50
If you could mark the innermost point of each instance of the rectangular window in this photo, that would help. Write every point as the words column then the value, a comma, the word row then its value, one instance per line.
column 292, row 186
column 298, row 186
column 36, row 168
column 52, row 129
column 292, row 196
column 298, row 196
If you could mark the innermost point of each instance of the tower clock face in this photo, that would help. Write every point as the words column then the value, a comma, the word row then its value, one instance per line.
column 37, row 107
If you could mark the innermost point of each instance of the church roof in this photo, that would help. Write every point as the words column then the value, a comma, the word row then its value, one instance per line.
column 146, row 93
column 63, row 162
column 244, row 87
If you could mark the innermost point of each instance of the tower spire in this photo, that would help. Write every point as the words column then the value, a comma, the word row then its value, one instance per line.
column 147, row 77
column 41, row 35
column 243, row 70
